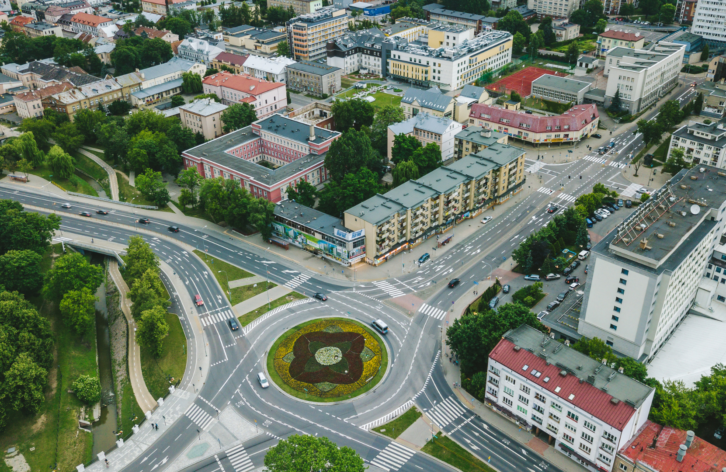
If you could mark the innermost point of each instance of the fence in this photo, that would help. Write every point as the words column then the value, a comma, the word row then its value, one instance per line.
column 101, row 199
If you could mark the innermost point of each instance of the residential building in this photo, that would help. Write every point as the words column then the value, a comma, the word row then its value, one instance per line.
column 272, row 69
column 565, row 31
column 556, row 9
column 612, row 7
column 587, row 62
column 130, row 83
column 103, row 51
column 35, row 10
column 30, row 104
column 474, row 138
column 560, row 89
column 610, row 39
column 313, row 78
column 203, row 116
column 701, row 143
column 358, row 51
column 152, row 96
column 37, row 30
column 19, row 23
column 576, row 124
column 89, row 96
column 308, row 35
column 504, row 4
column 40, row 74
column 154, row 33
column 716, row 69
column 267, row 98
column 260, row 41
column 647, row 270
column 642, row 76
column 587, row 409
column 370, row 12
column 161, row 7
column 437, row 12
column 234, row 35
column 419, row 209
column 198, row 50
column 85, row 23
column 436, row 103
column 8, row 83
column 66, row 22
column 295, row 150
column 427, row 129
column 317, row 232
column 301, row 7
column 410, row 29
column 687, row 11
column 708, row 21
column 449, row 67
column 525, row 11
column 167, row 72
column 7, row 104
column 233, row 61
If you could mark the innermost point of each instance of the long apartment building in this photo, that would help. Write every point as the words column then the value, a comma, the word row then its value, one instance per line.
column 709, row 20
column 646, row 272
column 308, row 35
column 418, row 209
column 89, row 96
column 585, row 408
column 437, row 12
column 292, row 150
column 701, row 143
column 301, row 7
column 576, row 124
column 642, row 76
column 265, row 97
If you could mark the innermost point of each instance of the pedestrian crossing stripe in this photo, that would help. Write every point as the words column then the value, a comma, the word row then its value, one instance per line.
column 213, row 318
column 385, row 419
column 445, row 412
column 567, row 197
column 431, row 311
column 393, row 457
column 545, row 190
column 391, row 290
column 198, row 416
column 630, row 190
column 619, row 165
column 535, row 167
column 239, row 459
column 298, row 280
column 599, row 160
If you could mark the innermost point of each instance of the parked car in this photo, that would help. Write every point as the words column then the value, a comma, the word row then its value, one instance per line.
column 506, row 289
column 552, row 276
column 198, row 300
column 542, row 314
column 486, row 220
column 321, row 297
column 533, row 277
column 561, row 297
column 553, row 305
column 597, row 217
column 620, row 202
column 174, row 229
column 628, row 204
column 575, row 265
column 718, row 434
column 85, row 213
column 454, row 283
column 262, row 380
column 493, row 303
column 144, row 221
column 424, row 258
column 588, row 222
column 574, row 285
column 66, row 206
column 571, row 279
column 233, row 325
column 597, row 135
column 567, row 271
column 588, row 245
column 102, row 212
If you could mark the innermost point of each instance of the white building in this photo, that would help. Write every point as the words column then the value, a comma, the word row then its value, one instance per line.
column 586, row 408
column 701, row 144
column 642, row 76
column 270, row 69
column 428, row 129
column 555, row 9
column 198, row 50
column 358, row 51
column 709, row 21
column 646, row 272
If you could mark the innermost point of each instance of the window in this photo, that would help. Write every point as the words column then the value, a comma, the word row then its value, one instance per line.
column 509, row 379
column 507, row 401
column 573, row 416
column 568, row 438
column 570, row 427
column 615, row 318
column 589, row 426
column 617, row 309
column 524, row 388
column 604, row 458
column 623, row 467
column 623, row 282
column 621, row 291
column 540, row 397
column 720, row 298
column 618, row 300
column 608, row 436
column 537, row 418
column 609, row 343
column 524, row 399
column 554, row 418
column 556, row 406
column 538, row 408
column 587, row 437
column 624, row 271
column 509, row 391
column 585, row 448
column 521, row 409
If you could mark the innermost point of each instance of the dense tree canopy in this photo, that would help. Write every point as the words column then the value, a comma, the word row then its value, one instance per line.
column 238, row 115
column 352, row 114
column 71, row 271
column 305, row 453
column 21, row 230
column 385, row 117
column 20, row 271
column 514, row 23
column 349, row 153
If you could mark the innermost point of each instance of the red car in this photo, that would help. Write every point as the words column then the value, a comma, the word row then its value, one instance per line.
column 85, row 213
column 198, row 300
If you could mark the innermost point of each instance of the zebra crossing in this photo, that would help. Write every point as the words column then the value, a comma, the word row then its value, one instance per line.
column 239, row 459
column 213, row 318
column 600, row 160
column 535, row 167
column 545, row 190
column 393, row 457
column 445, row 412
column 630, row 191
column 198, row 416
column 298, row 280
column 433, row 312
column 567, row 197
column 391, row 290
column 385, row 419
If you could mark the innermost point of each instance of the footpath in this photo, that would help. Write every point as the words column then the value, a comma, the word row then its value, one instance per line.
column 112, row 180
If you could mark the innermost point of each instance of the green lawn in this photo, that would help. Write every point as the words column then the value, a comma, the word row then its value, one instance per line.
column 450, row 452
column 662, row 152
column 396, row 427
column 127, row 193
column 74, row 184
column 248, row 318
column 168, row 369
column 222, row 271
column 582, row 45
column 88, row 166
column 347, row 82
column 131, row 411
column 382, row 98
column 245, row 292
column 194, row 212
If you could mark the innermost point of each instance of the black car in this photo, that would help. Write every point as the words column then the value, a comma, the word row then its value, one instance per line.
column 321, row 297
column 628, row 204
column 102, row 212
column 571, row 279
column 174, row 229
column 454, row 283
column 144, row 221
column 575, row 265
column 85, row 213
column 553, row 305
column 561, row 297
column 233, row 325
column 567, row 271
column 597, row 135
column 552, row 209
column 597, row 217
column 506, row 288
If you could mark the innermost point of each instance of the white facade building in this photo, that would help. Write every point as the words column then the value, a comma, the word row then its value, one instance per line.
column 701, row 144
column 428, row 129
column 645, row 273
column 270, row 69
column 709, row 21
column 642, row 76
column 555, row 9
column 198, row 50
column 359, row 51
column 587, row 408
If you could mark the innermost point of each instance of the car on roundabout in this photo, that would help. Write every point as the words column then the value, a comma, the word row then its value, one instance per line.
column 321, row 297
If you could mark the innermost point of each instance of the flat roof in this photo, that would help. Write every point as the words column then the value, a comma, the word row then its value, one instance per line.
column 311, row 218
column 313, row 68
column 293, row 129
column 561, row 83
column 479, row 135
column 166, row 86
column 204, row 107
column 442, row 180
column 717, row 130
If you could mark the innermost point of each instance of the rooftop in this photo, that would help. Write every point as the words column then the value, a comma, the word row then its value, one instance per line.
column 573, row 119
column 472, row 92
column 479, row 135
column 713, row 134
column 42, row 26
column 622, row 35
column 230, row 58
column 90, row 20
column 561, row 83
column 639, row 59
column 151, row 32
column 309, row 217
column 484, row 41
column 175, row 64
column 313, row 68
column 275, row 65
column 322, row 15
column 432, row 98
column 164, row 87
column 575, row 378
column 423, row 121
column 403, row 25
column 237, row 29
column 204, row 107
column 44, row 92
column 242, row 83
column 657, row 446
column 587, row 59
column 440, row 10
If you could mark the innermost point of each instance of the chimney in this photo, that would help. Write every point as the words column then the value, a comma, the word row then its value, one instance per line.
column 312, row 132
column 690, row 435
column 681, row 452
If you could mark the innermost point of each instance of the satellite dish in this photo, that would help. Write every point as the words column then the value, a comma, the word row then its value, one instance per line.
column 695, row 209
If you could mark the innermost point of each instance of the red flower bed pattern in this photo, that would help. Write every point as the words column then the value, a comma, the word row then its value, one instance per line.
column 304, row 353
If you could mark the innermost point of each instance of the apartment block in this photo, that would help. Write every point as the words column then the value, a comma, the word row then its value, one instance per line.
column 427, row 129
column 236, row 62
column 474, row 138
column 41, row 74
column 646, row 272
column 709, row 20
column 436, row 103
column 565, row 31
column 30, row 104
column 308, row 35
column 85, row 23
column 420, row 209
column 358, row 51
column 153, row 33
column 554, row 9
column 203, row 116
column 716, row 69
column 701, row 143
column 272, row 69
column 584, row 408
column 313, row 78
column 560, row 89
column 610, row 39
column 301, row 7
column 267, row 98
column 686, row 11
column 410, row 29
column 198, row 50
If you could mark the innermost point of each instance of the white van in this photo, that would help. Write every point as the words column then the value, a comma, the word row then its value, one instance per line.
column 583, row 255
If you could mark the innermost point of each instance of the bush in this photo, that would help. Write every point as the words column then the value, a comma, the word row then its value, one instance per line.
column 529, row 295
column 87, row 389
column 483, row 303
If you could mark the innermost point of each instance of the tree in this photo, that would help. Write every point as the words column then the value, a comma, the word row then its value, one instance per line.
column 349, row 153
column 667, row 13
column 514, row 23
column 191, row 83
column 670, row 114
column 405, row 171
column 617, row 103
column 178, row 26
column 78, row 310
column 114, row 140
column 385, row 117
column 151, row 185
column 704, row 53
column 651, row 131
column 303, row 193
column 139, row 259
column 283, row 49
column 627, row 9
column 305, row 453
column 589, row 14
column 213, row 96
column 238, row 115
column 177, row 100
column 573, row 52
column 190, row 179
column 152, row 329
column 515, row 97
column 404, row 147
column 548, row 34
column 87, row 389
column 20, row 271
column 24, row 384
column 427, row 158
column 698, row 104
column 352, row 114
column 676, row 163
column 339, row 196
column 601, row 25
column 650, row 7
column 677, row 407
column 25, row 167
column 87, row 121
column 71, row 272
column 261, row 216
column 147, row 292
column 519, row 42
column 528, row 295
column 68, row 137
column 41, row 129
column 535, row 44
column 20, row 230
column 60, row 162
column 28, row 149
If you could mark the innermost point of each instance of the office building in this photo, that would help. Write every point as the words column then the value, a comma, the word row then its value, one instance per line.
column 272, row 69
column 308, row 35
column 437, row 12
column 686, row 11
column 301, row 7
column 419, row 209
column 610, row 39
column 290, row 149
column 716, row 69
column 576, row 124
column 265, row 97
column 709, row 20
column 701, row 143
column 358, row 51
column 263, row 42
column 560, row 89
column 642, row 76
column 203, row 116
column 554, row 9
column 646, row 271
column 236, row 62
column 436, row 103
column 410, row 29
column 585, row 408
column 427, row 129
column 313, row 78
column 474, row 138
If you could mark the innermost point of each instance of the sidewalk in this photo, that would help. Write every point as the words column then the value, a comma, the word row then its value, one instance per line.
column 112, row 181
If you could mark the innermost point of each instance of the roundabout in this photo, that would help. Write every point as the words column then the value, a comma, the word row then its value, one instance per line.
column 327, row 360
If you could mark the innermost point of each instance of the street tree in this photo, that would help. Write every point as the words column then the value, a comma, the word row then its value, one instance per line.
column 305, row 453
column 238, row 115
column 151, row 185
column 25, row 230
column 514, row 23
column 139, row 259
column 28, row 149
column 704, row 53
column 60, row 162
column 20, row 271
column 147, row 292
column 337, row 197
column 87, row 389
column 87, row 122
column 404, row 146
column 350, row 152
column 78, row 310
column 698, row 104
column 651, row 131
column 667, row 13
column 617, row 102
column 190, row 180
column 303, row 193
column 354, row 113
column 152, row 329
column 670, row 114
column 41, row 129
column 601, row 25
column 573, row 52
column 70, row 272
column 68, row 137
column 261, row 216
column 405, row 171
column 676, row 162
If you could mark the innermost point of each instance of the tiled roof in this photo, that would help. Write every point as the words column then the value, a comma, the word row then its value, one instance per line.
column 151, row 32
column 44, row 92
column 90, row 20
column 576, row 118
column 243, row 83
column 431, row 98
column 657, row 447
column 622, row 35
column 22, row 20
column 230, row 58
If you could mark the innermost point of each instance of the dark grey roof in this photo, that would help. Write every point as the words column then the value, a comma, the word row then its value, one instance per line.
column 237, row 29
column 714, row 129
column 262, row 35
column 587, row 59
column 433, row 7
column 524, row 10
column 4, row 78
column 561, row 83
column 48, row 72
column 310, row 218
column 367, row 38
column 457, row 14
column 294, row 130
column 5, row 98
column 431, row 98
column 472, row 91
column 313, row 68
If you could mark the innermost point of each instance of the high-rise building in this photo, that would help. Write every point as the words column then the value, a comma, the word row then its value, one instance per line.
column 709, row 20
column 308, row 35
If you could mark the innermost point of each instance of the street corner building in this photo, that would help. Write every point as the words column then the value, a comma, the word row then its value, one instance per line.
column 265, row 97
column 292, row 151
column 586, row 408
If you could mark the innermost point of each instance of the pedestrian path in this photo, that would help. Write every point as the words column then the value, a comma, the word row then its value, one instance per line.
column 535, row 167
column 239, row 459
column 198, row 416
column 175, row 209
column 391, row 290
column 112, row 181
column 545, row 190
column 431, row 311
column 445, row 412
column 630, row 191
column 256, row 279
column 393, row 457
column 298, row 280
column 212, row 318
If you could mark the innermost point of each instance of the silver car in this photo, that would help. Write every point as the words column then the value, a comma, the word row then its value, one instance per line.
column 262, row 380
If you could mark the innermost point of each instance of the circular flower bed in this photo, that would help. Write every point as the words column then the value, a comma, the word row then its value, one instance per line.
column 327, row 360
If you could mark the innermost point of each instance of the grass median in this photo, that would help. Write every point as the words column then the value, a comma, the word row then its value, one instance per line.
column 248, row 318
column 450, row 452
column 168, row 369
column 240, row 294
column 223, row 271
column 393, row 429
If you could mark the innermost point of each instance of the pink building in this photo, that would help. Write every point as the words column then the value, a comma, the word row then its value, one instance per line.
column 295, row 149
column 266, row 97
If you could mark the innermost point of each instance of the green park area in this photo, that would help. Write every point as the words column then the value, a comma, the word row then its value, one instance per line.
column 395, row 428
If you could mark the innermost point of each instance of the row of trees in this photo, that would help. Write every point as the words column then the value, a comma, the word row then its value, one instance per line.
column 139, row 52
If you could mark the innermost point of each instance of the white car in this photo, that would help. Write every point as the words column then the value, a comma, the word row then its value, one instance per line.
column 66, row 205
column 486, row 220
column 542, row 314
column 262, row 380
column 603, row 213
column 574, row 285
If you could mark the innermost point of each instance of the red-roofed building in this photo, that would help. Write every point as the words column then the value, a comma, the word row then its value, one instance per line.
column 29, row 104
column 575, row 124
column 154, row 33
column 18, row 23
column 658, row 448
column 586, row 408
column 269, row 97
column 85, row 23
column 233, row 61
column 611, row 39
